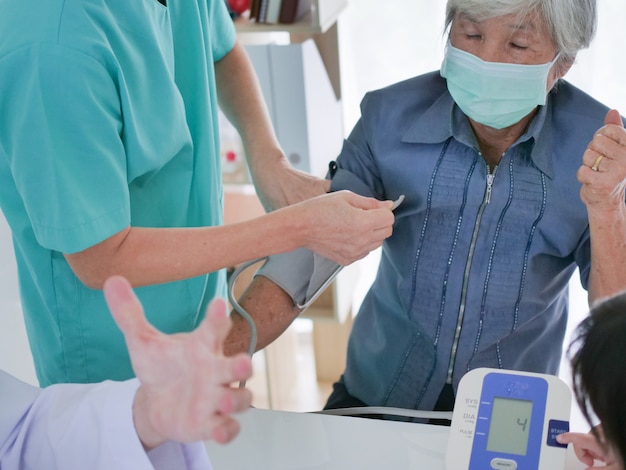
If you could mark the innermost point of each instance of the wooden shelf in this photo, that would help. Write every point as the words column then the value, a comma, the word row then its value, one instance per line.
column 322, row 16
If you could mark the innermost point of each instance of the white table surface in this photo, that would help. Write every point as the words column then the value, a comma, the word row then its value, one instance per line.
column 281, row 440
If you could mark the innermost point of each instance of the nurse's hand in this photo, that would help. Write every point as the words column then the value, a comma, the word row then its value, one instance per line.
column 589, row 450
column 344, row 226
column 185, row 393
column 278, row 184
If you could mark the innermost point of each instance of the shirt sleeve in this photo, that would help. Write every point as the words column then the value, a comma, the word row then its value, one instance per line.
column 583, row 259
column 64, row 145
column 70, row 426
column 223, row 33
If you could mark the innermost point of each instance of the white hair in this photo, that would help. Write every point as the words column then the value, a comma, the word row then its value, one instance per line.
column 571, row 23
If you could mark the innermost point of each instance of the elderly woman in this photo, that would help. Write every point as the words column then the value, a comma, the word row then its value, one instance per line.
column 487, row 152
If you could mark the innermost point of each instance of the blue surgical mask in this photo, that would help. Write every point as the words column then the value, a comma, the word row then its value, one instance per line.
column 495, row 94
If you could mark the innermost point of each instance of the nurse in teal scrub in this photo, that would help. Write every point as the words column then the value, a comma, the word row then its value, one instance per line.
column 109, row 165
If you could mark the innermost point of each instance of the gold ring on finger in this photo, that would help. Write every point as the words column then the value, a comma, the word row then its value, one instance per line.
column 596, row 164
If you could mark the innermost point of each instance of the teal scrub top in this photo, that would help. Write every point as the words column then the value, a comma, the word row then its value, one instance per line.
column 109, row 119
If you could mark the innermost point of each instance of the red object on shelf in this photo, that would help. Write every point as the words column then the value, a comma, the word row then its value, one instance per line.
column 239, row 6
column 231, row 156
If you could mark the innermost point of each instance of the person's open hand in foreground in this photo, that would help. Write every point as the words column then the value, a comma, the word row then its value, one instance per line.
column 185, row 393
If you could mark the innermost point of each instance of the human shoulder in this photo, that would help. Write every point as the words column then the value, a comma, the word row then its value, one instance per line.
column 397, row 107
column 421, row 89
column 94, row 28
column 58, row 27
column 403, row 102
column 573, row 108
column 27, row 22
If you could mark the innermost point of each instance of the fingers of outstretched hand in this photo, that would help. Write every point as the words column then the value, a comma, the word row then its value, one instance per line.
column 234, row 400
column 226, row 430
column 217, row 407
column 225, row 427
column 207, row 351
column 125, row 308
column 226, row 370
column 191, row 417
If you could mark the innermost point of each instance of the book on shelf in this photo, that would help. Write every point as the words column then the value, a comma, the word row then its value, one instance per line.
column 279, row 11
column 273, row 11
column 262, row 15
column 293, row 10
column 255, row 5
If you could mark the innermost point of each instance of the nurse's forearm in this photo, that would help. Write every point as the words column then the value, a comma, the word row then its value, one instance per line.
column 277, row 182
column 148, row 256
column 340, row 226
column 242, row 102
column 272, row 310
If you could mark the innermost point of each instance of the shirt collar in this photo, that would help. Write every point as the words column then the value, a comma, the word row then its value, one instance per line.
column 444, row 119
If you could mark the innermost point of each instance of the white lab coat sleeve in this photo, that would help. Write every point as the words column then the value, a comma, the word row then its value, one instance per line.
column 77, row 426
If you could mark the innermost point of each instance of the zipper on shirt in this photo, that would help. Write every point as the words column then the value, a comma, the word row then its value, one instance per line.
column 459, row 322
column 490, row 177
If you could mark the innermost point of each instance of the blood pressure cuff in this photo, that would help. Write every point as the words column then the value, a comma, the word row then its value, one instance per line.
column 301, row 273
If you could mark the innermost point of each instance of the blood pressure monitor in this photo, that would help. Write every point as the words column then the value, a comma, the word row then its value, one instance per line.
column 508, row 420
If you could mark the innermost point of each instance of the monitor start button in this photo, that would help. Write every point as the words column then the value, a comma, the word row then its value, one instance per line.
column 503, row 464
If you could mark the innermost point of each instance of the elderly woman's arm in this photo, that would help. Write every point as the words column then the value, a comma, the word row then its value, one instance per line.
column 603, row 183
column 272, row 309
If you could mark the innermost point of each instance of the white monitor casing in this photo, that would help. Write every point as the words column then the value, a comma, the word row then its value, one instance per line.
column 466, row 413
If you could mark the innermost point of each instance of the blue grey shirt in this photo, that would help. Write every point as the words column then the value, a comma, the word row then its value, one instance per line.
column 476, row 271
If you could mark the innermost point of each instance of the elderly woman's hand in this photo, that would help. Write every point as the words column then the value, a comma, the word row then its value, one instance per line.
column 603, row 172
